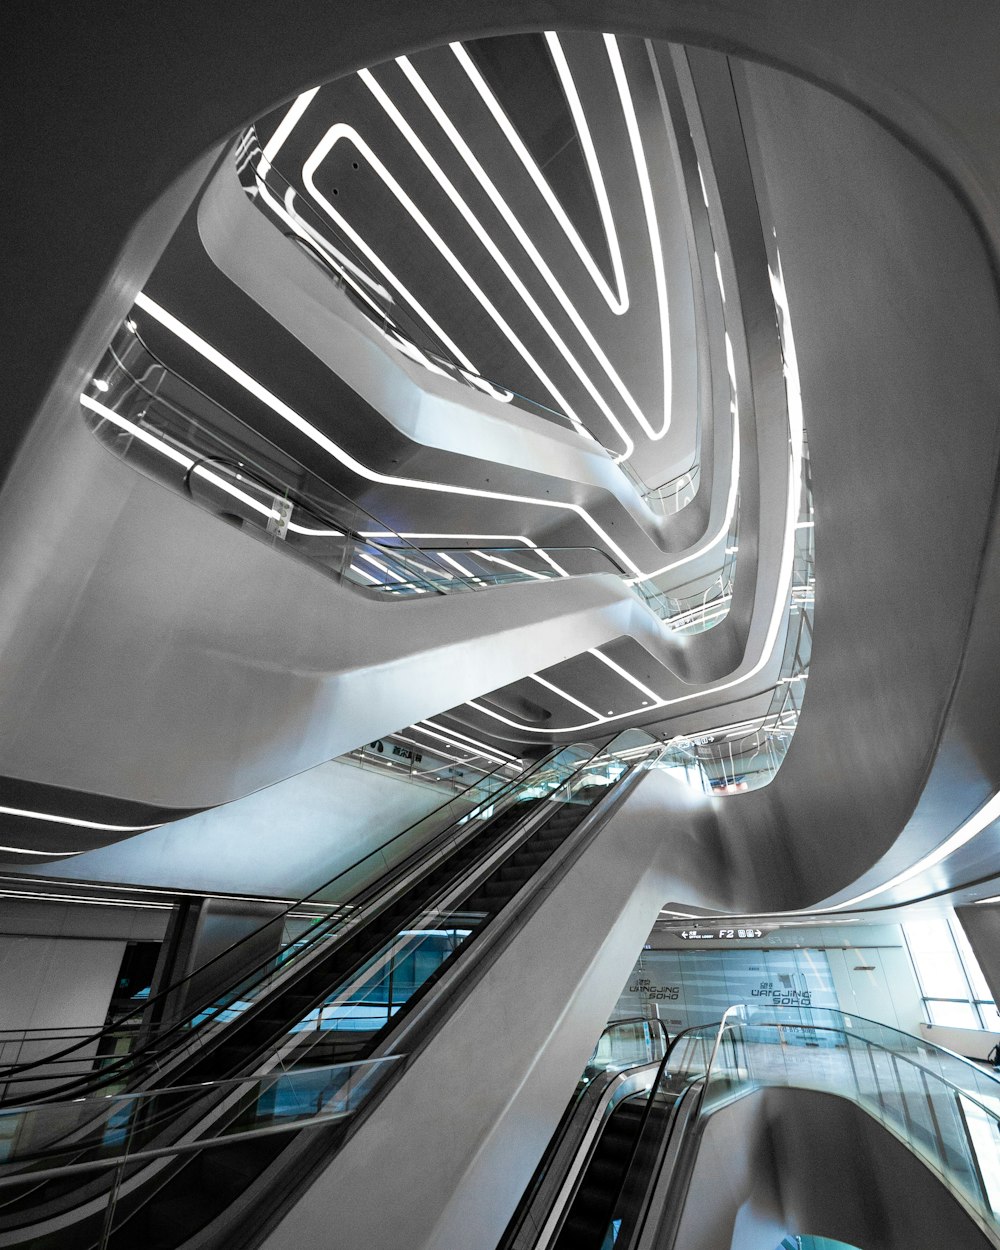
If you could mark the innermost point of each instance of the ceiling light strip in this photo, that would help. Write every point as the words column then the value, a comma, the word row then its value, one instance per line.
column 618, row 301
column 279, row 407
column 506, row 212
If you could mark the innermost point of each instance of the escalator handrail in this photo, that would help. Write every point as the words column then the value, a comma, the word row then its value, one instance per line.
column 895, row 1054
column 552, row 1149
column 564, row 785
column 162, row 995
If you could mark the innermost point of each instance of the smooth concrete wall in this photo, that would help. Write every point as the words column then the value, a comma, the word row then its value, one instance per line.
column 53, row 983
column 972, row 1043
column 878, row 984
column 281, row 842
column 182, row 658
column 60, row 985
column 981, row 923
column 784, row 1161
column 58, row 966
column 444, row 1159
column 896, row 324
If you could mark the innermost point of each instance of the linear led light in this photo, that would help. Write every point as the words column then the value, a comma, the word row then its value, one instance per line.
column 22, row 850
column 618, row 301
column 270, row 152
column 465, row 738
column 471, row 753
column 795, row 440
column 490, row 244
column 340, row 131
column 649, row 208
column 289, row 415
column 564, row 694
column 38, row 895
column 75, row 821
column 524, row 238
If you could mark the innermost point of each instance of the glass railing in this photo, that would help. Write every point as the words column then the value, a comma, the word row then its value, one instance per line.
column 158, row 1023
column 623, row 1065
column 124, row 1130
column 945, row 1108
column 183, row 1015
column 99, row 1148
column 626, row 1043
column 351, row 270
column 732, row 759
column 702, row 604
column 166, row 428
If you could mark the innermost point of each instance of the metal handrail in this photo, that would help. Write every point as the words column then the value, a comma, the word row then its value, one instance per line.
column 887, row 1050
column 161, row 996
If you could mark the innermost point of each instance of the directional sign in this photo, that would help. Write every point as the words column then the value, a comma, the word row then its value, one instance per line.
column 721, row 935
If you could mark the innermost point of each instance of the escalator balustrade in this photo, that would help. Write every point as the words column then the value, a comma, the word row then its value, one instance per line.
column 345, row 1004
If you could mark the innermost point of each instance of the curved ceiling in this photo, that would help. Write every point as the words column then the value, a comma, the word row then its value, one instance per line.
column 895, row 317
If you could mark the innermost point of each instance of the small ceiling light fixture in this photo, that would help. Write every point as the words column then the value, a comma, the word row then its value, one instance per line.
column 100, row 384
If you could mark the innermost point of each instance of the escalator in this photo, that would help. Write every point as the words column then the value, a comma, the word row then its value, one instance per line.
column 678, row 1162
column 346, row 992
column 592, row 1211
column 594, row 1178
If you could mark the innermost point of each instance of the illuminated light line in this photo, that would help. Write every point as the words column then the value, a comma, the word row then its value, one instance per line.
column 455, row 759
column 21, row 850
column 649, row 208
column 186, row 462
column 76, row 821
column 289, row 415
column 565, row 694
column 465, row 738
column 287, row 213
column 783, row 595
column 363, row 555
column 274, row 145
column 734, row 487
column 342, row 131
column 490, row 244
column 481, row 538
column 85, row 901
column 455, row 565
column 617, row 668
column 542, row 577
column 365, row 573
column 618, row 303
column 131, row 428
column 361, row 282
column 386, row 273
column 522, row 236
column 471, row 753
column 285, row 128
column 473, row 747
